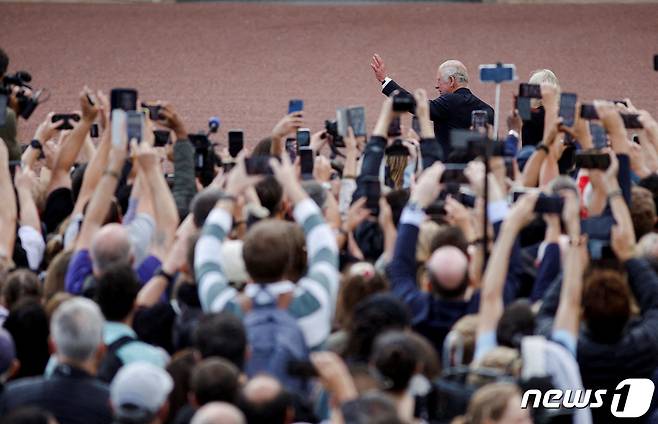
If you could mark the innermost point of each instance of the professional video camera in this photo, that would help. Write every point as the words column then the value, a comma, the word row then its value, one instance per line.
column 205, row 158
column 26, row 103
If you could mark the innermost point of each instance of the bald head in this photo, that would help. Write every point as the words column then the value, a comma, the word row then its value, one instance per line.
column 218, row 412
column 451, row 76
column 265, row 401
column 448, row 269
column 110, row 246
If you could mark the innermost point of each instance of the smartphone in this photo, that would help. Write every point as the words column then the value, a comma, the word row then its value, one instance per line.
column 118, row 119
column 631, row 121
column 592, row 161
column 303, row 138
column 454, row 173
column 67, row 118
column 342, row 121
column 306, row 160
column 258, row 165
column 3, row 109
column 394, row 128
column 532, row 91
column 568, row 108
column 94, row 131
column 404, row 102
column 235, row 142
column 655, row 62
column 588, row 111
column 123, row 98
column 291, row 148
column 161, row 138
column 301, row 369
column 599, row 137
column 549, row 204
column 523, row 106
column 479, row 121
column 373, row 192
column 295, row 105
column 357, row 120
column 415, row 125
column 154, row 111
column 135, row 125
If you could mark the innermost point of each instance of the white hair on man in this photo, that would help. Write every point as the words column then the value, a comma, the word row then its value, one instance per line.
column 77, row 329
column 544, row 76
column 218, row 412
column 454, row 68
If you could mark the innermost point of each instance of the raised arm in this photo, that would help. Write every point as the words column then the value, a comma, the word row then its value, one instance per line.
column 567, row 317
column 430, row 149
column 402, row 268
column 493, row 282
column 98, row 163
column 215, row 294
column 103, row 194
column 68, row 152
column 8, row 212
column 166, row 214
column 287, row 125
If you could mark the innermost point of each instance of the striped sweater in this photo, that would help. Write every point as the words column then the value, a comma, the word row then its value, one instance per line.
column 315, row 295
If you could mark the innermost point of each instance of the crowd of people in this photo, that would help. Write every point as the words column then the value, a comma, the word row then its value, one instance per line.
column 406, row 279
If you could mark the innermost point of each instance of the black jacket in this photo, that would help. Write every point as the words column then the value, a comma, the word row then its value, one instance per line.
column 70, row 394
column 450, row 111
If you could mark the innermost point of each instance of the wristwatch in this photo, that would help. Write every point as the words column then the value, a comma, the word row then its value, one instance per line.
column 36, row 144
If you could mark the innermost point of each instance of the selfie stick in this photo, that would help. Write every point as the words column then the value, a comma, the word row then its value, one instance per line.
column 497, row 74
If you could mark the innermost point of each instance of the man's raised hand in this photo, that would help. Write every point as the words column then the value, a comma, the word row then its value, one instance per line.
column 377, row 65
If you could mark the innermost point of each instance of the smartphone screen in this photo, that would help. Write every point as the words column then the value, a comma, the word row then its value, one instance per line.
column 94, row 131
column 235, row 142
column 3, row 110
column 599, row 137
column 291, row 148
column 161, row 138
column 357, row 120
column 295, row 105
column 631, row 121
column 306, row 160
column 67, row 118
column 415, row 125
column 532, row 91
column 479, row 121
column 568, row 108
column 523, row 106
column 549, row 204
column 303, row 138
column 118, row 126
column 588, row 112
column 154, row 111
column 123, row 98
column 134, row 125
column 373, row 192
column 394, row 127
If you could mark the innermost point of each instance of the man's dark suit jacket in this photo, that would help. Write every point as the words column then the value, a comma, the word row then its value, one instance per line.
column 70, row 394
column 449, row 111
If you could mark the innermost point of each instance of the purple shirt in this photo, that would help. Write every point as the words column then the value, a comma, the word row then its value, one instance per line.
column 80, row 267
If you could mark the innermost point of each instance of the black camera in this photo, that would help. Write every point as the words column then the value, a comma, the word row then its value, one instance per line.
column 26, row 104
column 331, row 130
column 404, row 102
column 205, row 158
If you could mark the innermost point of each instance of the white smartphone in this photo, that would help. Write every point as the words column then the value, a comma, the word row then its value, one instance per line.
column 118, row 126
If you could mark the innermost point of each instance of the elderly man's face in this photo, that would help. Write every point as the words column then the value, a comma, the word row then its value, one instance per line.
column 443, row 85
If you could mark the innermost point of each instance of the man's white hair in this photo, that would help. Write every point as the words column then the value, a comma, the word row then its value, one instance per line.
column 544, row 76
column 453, row 68
column 77, row 329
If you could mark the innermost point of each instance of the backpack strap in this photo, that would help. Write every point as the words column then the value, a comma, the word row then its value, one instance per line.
column 120, row 342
